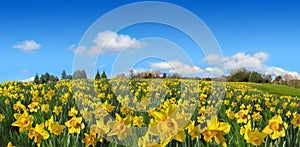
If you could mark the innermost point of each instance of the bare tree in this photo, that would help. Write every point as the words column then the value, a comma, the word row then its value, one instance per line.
column 120, row 75
column 131, row 71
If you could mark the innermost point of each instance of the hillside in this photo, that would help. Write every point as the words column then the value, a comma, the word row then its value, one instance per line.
column 278, row 89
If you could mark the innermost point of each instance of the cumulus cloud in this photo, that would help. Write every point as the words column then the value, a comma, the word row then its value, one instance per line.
column 116, row 42
column 177, row 67
column 252, row 62
column 31, row 79
column 277, row 71
column 185, row 69
column 256, row 62
column 27, row 45
column 79, row 49
column 108, row 41
column 213, row 59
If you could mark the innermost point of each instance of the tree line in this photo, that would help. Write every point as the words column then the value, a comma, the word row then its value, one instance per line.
column 240, row 75
column 243, row 75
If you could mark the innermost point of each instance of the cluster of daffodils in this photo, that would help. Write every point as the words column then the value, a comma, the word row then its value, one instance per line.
column 146, row 112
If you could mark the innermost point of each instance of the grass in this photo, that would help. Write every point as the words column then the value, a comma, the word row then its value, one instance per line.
column 278, row 89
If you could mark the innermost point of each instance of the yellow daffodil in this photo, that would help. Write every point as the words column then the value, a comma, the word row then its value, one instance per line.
column 217, row 130
column 10, row 145
column 138, row 121
column 194, row 131
column 256, row 116
column 19, row 106
column 38, row 133
column 23, row 121
column 56, row 128
column 168, row 125
column 242, row 116
column 57, row 109
column 87, row 115
column 230, row 114
column 276, row 127
column 2, row 117
column 90, row 139
column 33, row 107
column 100, row 112
column 65, row 98
column 108, row 107
column 288, row 114
column 75, row 125
column 256, row 137
column 45, row 108
column 73, row 112
column 100, row 128
column 296, row 120
column 120, row 127
column 7, row 101
column 245, row 130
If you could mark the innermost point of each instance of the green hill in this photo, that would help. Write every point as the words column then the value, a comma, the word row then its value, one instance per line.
column 278, row 89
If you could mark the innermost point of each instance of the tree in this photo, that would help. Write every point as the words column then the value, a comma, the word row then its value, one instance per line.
column 164, row 75
column 69, row 77
column 131, row 71
column 53, row 78
column 63, row 75
column 36, row 79
column 241, row 75
column 103, row 75
column 278, row 80
column 289, row 77
column 291, row 80
column 255, row 77
column 267, row 79
column 120, row 75
column 45, row 78
column 97, row 77
column 149, row 75
column 79, row 74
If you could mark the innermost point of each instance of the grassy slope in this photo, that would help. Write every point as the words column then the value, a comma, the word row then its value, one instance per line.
column 278, row 89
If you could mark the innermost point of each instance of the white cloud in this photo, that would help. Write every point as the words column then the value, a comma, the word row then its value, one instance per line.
column 185, row 69
column 116, row 42
column 79, row 49
column 215, row 71
column 213, row 59
column 27, row 45
column 277, row 71
column 252, row 62
column 177, row 67
column 256, row 62
column 110, row 42
column 31, row 79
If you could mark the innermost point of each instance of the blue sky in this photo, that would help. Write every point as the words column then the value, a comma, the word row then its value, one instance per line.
column 265, row 32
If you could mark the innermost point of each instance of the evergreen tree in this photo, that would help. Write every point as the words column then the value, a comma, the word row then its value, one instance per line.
column 69, row 77
column 97, row 77
column 42, row 79
column 103, row 75
column 53, row 78
column 63, row 75
column 45, row 78
column 36, row 79
column 164, row 75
